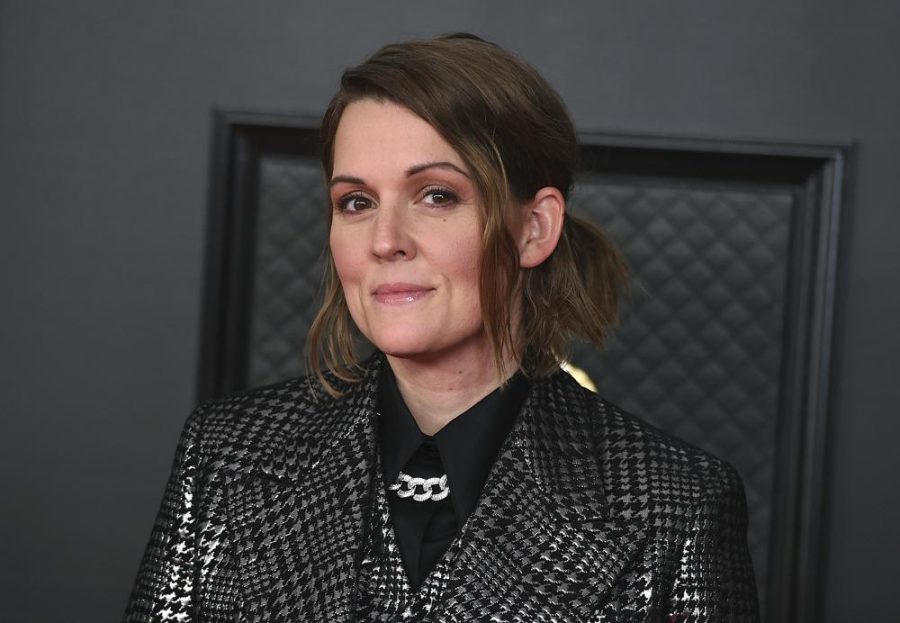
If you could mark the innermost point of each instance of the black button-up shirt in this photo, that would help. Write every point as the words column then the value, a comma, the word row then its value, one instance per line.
column 464, row 449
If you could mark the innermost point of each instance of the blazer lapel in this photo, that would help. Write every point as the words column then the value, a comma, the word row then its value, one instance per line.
column 298, row 535
column 546, row 540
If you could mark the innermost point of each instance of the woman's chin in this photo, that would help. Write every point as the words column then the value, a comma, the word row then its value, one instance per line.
column 429, row 343
column 403, row 350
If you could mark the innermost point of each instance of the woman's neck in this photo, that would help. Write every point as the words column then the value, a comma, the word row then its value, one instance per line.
column 436, row 392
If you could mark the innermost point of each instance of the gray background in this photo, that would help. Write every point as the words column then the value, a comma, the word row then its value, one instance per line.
column 104, row 157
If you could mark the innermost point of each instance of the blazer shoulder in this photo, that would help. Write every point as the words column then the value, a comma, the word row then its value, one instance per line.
column 254, row 426
column 676, row 471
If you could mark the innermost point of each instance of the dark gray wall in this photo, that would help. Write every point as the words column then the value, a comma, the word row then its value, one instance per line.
column 104, row 148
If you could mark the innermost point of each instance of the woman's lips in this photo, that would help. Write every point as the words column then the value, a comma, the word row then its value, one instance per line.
column 400, row 293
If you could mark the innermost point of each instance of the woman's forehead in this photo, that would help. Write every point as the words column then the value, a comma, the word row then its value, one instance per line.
column 384, row 135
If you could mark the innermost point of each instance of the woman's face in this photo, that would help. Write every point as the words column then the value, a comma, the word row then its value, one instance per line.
column 406, row 235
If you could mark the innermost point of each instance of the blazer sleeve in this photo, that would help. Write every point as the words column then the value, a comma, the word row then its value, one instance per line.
column 187, row 559
column 715, row 580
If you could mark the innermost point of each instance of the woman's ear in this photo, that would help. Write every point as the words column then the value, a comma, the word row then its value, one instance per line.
column 541, row 226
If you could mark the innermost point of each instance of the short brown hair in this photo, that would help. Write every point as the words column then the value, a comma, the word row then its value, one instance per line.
column 515, row 136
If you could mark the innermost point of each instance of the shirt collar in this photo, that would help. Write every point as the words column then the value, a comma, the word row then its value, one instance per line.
column 468, row 444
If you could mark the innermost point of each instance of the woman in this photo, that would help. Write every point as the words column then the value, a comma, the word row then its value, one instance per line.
column 456, row 474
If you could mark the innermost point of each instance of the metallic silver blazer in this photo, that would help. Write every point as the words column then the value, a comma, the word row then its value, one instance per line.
column 589, row 514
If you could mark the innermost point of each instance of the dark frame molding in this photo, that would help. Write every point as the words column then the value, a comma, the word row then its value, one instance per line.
column 816, row 171
column 239, row 141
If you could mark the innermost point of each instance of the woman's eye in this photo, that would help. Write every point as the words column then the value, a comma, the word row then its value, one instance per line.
column 354, row 203
column 440, row 197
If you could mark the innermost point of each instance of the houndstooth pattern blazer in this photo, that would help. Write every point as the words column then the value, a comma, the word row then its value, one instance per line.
column 588, row 515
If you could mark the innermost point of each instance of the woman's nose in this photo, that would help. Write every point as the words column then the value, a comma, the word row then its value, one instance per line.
column 391, row 237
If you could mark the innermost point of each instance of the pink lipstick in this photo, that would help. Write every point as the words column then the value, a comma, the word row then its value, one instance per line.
column 400, row 293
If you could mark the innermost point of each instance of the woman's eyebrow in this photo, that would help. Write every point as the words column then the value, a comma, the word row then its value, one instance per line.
column 413, row 170
column 348, row 179
column 432, row 165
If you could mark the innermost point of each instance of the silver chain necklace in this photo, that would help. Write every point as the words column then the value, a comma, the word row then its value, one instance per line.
column 406, row 486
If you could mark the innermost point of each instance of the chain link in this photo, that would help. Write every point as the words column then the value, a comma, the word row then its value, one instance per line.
column 406, row 486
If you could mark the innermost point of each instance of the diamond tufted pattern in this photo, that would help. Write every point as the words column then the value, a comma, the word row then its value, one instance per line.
column 292, row 228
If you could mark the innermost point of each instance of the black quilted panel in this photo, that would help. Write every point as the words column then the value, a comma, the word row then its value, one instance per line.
column 699, row 348
column 292, row 228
